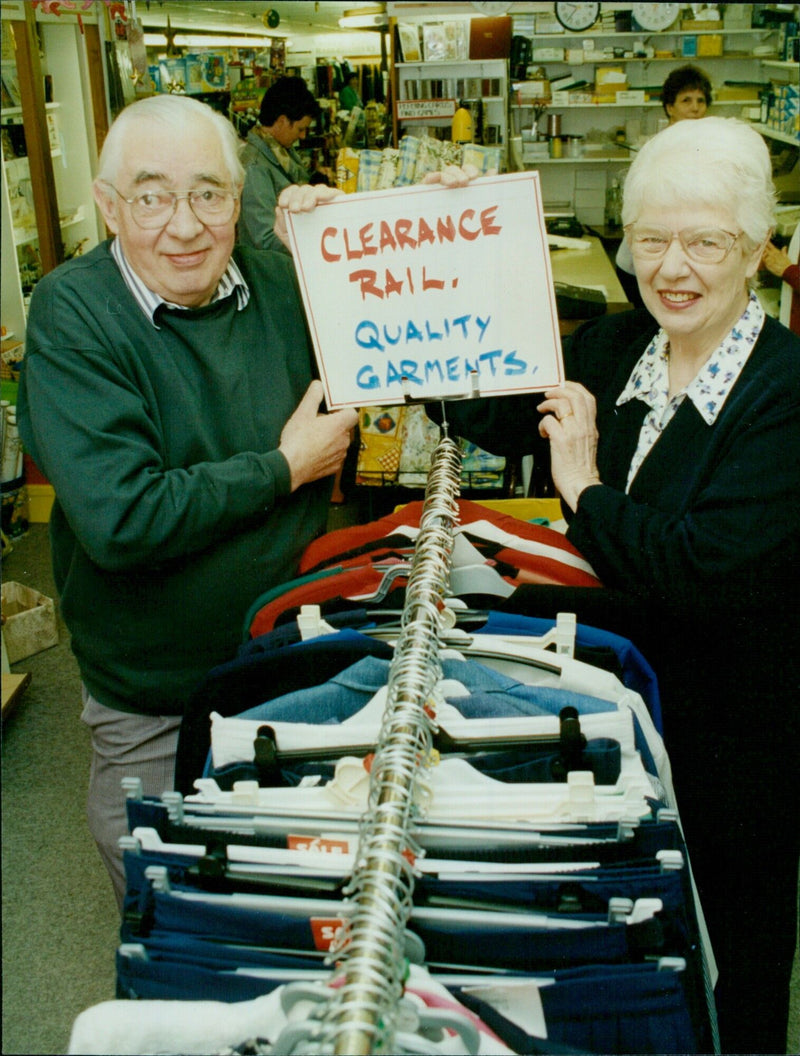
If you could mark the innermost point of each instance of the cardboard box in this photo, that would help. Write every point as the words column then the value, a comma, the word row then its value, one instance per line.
column 695, row 25
column 206, row 73
column 29, row 621
column 608, row 80
column 728, row 92
column 548, row 55
column 631, row 97
column 709, row 44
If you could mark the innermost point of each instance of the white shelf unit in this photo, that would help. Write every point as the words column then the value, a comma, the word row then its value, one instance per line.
column 780, row 73
column 483, row 79
column 582, row 181
column 773, row 133
column 72, row 149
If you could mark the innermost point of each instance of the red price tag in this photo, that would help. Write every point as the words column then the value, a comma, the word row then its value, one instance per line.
column 322, row 844
column 324, row 930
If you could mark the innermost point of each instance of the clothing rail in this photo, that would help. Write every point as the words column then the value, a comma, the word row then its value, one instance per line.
column 362, row 1015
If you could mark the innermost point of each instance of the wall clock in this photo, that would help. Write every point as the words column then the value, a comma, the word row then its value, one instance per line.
column 655, row 17
column 577, row 17
column 271, row 19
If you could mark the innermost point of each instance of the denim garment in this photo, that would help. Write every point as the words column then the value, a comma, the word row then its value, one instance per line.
column 491, row 695
column 634, row 670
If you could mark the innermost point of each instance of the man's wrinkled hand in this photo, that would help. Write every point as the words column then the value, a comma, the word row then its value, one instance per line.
column 300, row 198
column 314, row 444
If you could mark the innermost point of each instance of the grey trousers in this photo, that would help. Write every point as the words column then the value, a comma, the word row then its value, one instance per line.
column 124, row 745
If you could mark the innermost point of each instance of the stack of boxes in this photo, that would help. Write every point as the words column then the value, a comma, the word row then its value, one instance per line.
column 192, row 74
column 783, row 110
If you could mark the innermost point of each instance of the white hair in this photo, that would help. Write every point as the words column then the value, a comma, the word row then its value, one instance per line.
column 714, row 161
column 173, row 113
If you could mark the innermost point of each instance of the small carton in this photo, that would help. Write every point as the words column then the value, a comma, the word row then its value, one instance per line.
column 709, row 44
column 29, row 621
column 608, row 81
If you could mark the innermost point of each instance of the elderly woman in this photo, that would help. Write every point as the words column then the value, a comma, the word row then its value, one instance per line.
column 675, row 447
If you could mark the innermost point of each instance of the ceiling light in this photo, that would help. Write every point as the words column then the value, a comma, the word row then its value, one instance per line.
column 207, row 40
column 365, row 18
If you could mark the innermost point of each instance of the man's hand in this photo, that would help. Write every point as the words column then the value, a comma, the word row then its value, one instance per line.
column 315, row 444
column 300, row 198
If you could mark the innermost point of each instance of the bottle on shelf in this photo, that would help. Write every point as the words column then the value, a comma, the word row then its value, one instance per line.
column 614, row 205
column 462, row 125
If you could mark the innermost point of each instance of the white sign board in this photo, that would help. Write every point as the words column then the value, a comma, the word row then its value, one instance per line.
column 430, row 292
column 424, row 109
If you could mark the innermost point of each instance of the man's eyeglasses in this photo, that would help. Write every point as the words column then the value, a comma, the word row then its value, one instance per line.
column 709, row 245
column 154, row 209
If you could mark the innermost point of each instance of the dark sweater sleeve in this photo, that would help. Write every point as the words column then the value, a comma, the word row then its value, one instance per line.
column 509, row 425
column 792, row 277
column 501, row 425
column 91, row 421
column 730, row 538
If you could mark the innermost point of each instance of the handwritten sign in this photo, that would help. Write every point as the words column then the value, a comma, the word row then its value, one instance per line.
column 424, row 109
column 429, row 292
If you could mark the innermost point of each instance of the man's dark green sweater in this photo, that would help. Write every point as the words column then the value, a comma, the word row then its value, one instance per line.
column 173, row 509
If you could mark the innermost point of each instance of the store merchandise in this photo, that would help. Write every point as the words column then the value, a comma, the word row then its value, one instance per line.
column 415, row 157
column 473, row 825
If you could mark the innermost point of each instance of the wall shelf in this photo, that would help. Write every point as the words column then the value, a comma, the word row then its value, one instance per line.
column 585, row 179
column 483, row 79
column 624, row 106
column 646, row 34
column 67, row 53
column 587, row 159
column 773, row 133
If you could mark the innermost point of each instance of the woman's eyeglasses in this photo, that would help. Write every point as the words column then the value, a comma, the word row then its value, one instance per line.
column 709, row 245
column 154, row 209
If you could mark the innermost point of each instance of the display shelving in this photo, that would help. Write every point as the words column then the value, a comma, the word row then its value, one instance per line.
column 457, row 79
column 583, row 179
column 49, row 146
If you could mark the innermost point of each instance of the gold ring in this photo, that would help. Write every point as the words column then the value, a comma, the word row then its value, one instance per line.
column 563, row 416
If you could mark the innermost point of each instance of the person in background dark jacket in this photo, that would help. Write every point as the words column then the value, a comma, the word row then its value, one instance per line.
column 270, row 161
column 168, row 394
column 675, row 447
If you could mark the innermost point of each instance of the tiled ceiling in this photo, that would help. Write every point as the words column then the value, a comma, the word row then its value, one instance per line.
column 306, row 17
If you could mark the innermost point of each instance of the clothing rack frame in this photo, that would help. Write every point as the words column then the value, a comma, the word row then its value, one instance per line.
column 361, row 1017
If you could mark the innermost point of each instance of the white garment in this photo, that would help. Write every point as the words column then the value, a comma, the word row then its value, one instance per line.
column 149, row 1028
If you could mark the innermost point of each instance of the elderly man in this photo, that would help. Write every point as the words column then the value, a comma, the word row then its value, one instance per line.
column 168, row 395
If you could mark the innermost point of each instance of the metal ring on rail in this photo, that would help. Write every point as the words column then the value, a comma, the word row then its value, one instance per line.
column 363, row 1008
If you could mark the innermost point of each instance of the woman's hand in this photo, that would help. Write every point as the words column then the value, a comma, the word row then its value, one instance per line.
column 300, row 198
column 569, row 423
column 453, row 176
column 775, row 260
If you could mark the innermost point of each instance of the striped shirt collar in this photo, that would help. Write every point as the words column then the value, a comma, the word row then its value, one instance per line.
column 231, row 280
